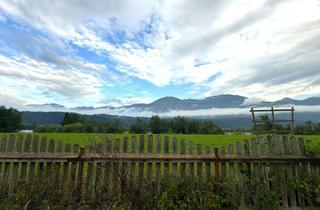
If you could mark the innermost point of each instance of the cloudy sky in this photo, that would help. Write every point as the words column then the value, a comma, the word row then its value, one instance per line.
column 81, row 53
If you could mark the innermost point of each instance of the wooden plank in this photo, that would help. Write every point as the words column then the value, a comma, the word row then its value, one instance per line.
column 290, row 170
column 239, row 164
column 27, row 143
column 11, row 143
column 109, row 147
column 183, row 163
column 217, row 168
column 34, row 149
column 49, row 167
column 90, row 179
column 294, row 145
column 106, row 172
column 158, row 164
column 57, row 165
column 74, row 164
column 199, row 163
column 26, row 149
column 3, row 145
column 256, row 166
column 116, row 175
column 174, row 145
column 284, row 176
column 208, row 164
column 166, row 144
column 302, row 149
column 125, row 145
column 19, row 143
column 9, row 183
column 132, row 163
column 149, row 163
column 247, row 166
column 99, row 181
column 277, row 147
column 174, row 151
column 292, row 195
column 158, row 138
column 141, row 163
column 141, row 144
column 150, row 143
column 166, row 151
column 65, row 167
column 133, row 144
column 254, row 150
column 262, row 149
column 116, row 146
column 158, row 176
column 15, row 174
column 231, row 163
column 270, row 145
column 191, row 163
column 223, row 165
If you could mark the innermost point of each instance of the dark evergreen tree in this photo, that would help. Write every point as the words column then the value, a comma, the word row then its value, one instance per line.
column 10, row 119
column 72, row 118
column 155, row 124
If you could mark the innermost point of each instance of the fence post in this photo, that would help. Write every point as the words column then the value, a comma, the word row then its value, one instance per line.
column 80, row 173
column 217, row 168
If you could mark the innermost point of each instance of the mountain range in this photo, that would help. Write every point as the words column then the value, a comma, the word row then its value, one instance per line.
column 227, row 111
column 167, row 104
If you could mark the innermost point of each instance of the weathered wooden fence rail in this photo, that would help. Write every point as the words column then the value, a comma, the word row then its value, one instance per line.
column 276, row 162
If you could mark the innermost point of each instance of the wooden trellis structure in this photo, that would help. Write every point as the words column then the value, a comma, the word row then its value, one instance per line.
column 274, row 120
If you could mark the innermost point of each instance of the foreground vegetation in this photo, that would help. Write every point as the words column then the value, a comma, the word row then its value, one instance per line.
column 175, row 193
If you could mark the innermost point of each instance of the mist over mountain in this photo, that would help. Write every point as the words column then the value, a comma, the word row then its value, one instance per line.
column 169, row 104
column 227, row 111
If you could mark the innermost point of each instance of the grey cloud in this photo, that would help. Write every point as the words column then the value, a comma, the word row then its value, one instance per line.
column 300, row 62
column 205, row 41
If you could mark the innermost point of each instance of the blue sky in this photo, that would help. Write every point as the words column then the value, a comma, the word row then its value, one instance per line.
column 97, row 53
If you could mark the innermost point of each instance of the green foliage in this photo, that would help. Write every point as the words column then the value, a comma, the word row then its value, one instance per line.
column 139, row 126
column 308, row 128
column 155, row 124
column 10, row 119
column 72, row 118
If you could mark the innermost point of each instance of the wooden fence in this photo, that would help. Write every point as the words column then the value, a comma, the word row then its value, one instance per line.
column 153, row 158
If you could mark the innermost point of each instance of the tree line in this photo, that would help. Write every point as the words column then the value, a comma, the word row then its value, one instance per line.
column 73, row 122
column 11, row 121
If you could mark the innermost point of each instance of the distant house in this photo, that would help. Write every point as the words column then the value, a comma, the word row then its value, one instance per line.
column 26, row 131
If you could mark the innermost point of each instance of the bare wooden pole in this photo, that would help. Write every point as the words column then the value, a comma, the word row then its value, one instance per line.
column 217, row 168
column 80, row 173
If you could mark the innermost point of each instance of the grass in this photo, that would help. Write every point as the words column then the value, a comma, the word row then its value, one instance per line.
column 313, row 141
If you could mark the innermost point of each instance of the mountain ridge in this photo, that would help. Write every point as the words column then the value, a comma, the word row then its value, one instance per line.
column 171, row 103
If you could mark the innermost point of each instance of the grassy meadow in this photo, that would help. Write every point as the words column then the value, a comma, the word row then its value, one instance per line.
column 83, row 139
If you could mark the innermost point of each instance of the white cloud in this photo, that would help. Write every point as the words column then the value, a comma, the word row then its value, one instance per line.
column 30, row 79
column 258, row 48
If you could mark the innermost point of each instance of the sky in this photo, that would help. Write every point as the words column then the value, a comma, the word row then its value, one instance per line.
column 120, row 52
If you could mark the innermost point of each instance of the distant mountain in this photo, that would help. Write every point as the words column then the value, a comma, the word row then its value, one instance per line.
column 171, row 103
column 167, row 104
column 227, row 121
column 53, row 106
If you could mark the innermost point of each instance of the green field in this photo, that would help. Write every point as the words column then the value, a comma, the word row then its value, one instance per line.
column 312, row 142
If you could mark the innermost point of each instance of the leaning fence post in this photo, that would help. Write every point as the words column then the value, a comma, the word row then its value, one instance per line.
column 217, row 168
column 80, row 172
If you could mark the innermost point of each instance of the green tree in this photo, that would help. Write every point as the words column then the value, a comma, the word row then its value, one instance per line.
column 139, row 126
column 155, row 124
column 179, row 125
column 10, row 119
column 72, row 118
column 115, row 126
